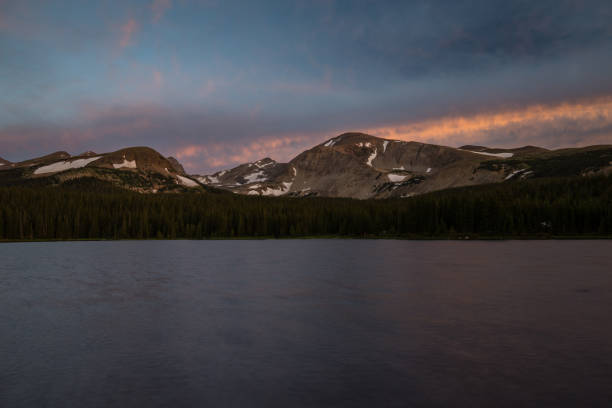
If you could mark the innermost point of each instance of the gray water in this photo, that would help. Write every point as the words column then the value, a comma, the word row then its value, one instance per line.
column 306, row 323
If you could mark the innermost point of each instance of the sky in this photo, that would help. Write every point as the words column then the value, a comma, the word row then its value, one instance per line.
column 216, row 83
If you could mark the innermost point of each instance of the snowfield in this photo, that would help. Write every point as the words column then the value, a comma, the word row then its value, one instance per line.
column 209, row 180
column 187, row 182
column 514, row 173
column 258, row 164
column 396, row 177
column 126, row 164
column 283, row 189
column 257, row 176
column 371, row 158
column 330, row 143
column 269, row 191
column 65, row 165
column 501, row 155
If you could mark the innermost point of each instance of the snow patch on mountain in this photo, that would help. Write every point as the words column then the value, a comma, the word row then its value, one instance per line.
column 187, row 182
column 65, row 165
column 259, row 165
column 371, row 158
column 330, row 143
column 514, row 173
column 284, row 188
column 256, row 176
column 504, row 155
column 209, row 179
column 385, row 143
column 126, row 164
column 396, row 177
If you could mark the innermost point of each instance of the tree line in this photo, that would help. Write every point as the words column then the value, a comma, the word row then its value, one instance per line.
column 580, row 206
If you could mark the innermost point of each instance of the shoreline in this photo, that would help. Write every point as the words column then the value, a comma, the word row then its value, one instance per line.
column 336, row 237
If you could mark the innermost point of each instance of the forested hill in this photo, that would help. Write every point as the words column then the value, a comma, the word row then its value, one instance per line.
column 90, row 209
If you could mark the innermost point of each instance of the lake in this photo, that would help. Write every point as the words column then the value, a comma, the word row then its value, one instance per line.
column 306, row 323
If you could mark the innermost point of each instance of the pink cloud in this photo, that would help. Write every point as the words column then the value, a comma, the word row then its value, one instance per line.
column 158, row 79
column 127, row 32
column 188, row 151
column 159, row 7
column 208, row 88
column 206, row 142
column 222, row 155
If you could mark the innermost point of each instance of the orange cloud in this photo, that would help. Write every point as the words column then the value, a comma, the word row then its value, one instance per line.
column 127, row 31
column 519, row 124
column 553, row 126
column 159, row 7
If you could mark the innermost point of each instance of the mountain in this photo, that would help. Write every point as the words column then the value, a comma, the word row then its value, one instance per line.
column 353, row 165
column 176, row 166
column 263, row 177
column 4, row 162
column 139, row 169
column 361, row 166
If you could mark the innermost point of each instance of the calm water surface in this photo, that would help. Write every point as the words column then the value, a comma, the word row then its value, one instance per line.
column 306, row 323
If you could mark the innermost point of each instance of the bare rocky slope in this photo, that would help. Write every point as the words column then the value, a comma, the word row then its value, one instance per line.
column 354, row 165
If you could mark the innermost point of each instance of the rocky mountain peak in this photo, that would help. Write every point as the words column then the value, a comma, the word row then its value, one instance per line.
column 176, row 166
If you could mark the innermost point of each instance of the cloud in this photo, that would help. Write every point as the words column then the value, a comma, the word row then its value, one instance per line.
column 552, row 126
column 158, row 79
column 209, row 88
column 206, row 141
column 225, row 155
column 127, row 32
column 159, row 8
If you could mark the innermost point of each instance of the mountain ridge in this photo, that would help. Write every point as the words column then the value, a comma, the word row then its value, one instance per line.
column 352, row 165
column 139, row 168
column 362, row 166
